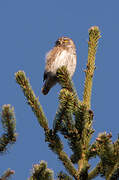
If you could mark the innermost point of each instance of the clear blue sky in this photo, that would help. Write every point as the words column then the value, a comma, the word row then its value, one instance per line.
column 28, row 29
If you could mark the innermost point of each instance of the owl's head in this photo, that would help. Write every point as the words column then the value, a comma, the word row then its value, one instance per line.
column 65, row 42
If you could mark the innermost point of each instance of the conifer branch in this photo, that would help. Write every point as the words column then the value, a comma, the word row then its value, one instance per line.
column 86, row 134
column 82, row 123
column 66, row 82
column 68, row 164
column 56, row 146
column 7, row 174
column 94, row 35
column 64, row 79
column 114, row 172
column 95, row 172
column 65, row 124
column 63, row 176
column 92, row 151
column 31, row 98
column 108, row 154
column 105, row 148
column 74, row 120
column 87, row 115
column 79, row 138
column 81, row 142
column 63, row 120
column 55, row 143
column 9, row 125
column 40, row 171
column 69, row 103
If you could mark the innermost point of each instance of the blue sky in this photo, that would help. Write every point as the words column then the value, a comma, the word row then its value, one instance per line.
column 28, row 29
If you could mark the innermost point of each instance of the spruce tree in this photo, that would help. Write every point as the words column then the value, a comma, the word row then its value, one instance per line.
column 73, row 120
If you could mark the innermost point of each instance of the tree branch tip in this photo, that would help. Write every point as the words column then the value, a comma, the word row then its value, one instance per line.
column 19, row 72
column 102, row 136
column 7, row 106
column 7, row 174
column 94, row 32
column 12, row 172
column 93, row 28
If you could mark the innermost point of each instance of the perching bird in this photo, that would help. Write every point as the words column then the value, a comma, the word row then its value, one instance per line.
column 63, row 54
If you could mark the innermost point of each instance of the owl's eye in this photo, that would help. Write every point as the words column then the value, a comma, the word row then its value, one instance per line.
column 57, row 42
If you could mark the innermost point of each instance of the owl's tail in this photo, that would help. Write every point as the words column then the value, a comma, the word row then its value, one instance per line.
column 49, row 83
column 45, row 89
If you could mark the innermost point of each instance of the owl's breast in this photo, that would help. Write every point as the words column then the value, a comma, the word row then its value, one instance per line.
column 62, row 58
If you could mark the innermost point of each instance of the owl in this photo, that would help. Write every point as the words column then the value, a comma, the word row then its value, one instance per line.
column 62, row 54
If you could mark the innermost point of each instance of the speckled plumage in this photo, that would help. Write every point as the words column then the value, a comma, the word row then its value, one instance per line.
column 63, row 54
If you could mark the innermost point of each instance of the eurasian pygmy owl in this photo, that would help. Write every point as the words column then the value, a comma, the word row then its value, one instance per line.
column 63, row 54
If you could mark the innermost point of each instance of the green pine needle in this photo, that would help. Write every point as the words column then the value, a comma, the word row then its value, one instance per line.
column 31, row 98
column 9, row 125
